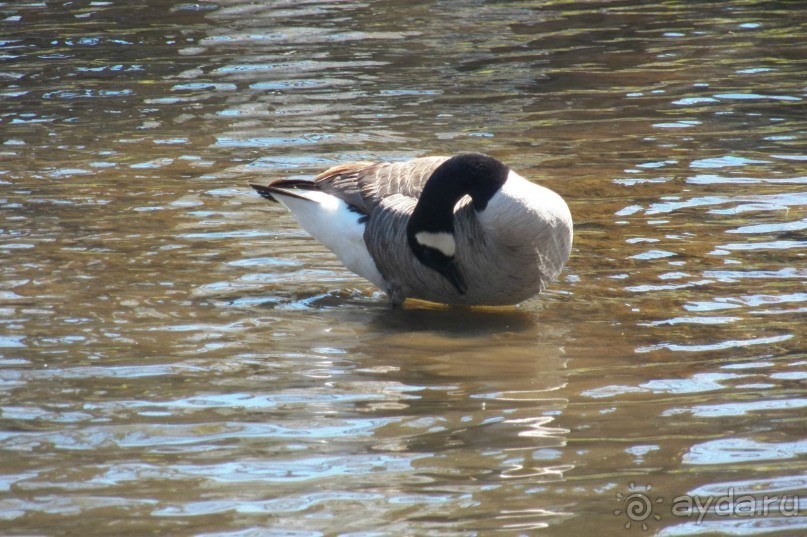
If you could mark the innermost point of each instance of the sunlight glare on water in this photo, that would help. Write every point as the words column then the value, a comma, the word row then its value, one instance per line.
column 178, row 357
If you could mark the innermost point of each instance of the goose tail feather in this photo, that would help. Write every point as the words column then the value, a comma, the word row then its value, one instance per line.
column 285, row 187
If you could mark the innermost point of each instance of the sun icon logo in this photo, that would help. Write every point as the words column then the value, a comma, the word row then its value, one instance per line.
column 638, row 506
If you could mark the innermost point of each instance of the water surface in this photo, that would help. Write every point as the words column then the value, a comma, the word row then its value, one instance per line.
column 177, row 357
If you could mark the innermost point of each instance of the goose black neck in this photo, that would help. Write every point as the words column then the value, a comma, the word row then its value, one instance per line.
column 477, row 175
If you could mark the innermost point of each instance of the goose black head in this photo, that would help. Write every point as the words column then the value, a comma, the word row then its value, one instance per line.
column 430, row 231
column 437, row 251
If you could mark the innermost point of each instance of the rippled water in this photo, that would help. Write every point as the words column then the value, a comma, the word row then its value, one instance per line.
column 178, row 358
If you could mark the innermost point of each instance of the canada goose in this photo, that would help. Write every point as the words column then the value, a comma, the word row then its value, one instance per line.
column 459, row 230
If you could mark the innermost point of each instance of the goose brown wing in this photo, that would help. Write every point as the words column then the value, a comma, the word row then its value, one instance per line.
column 342, row 181
column 402, row 178
column 365, row 185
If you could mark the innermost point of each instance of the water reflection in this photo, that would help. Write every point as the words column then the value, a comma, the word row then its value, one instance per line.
column 460, row 322
column 175, row 356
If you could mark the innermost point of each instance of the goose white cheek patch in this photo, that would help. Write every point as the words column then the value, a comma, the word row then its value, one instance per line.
column 441, row 241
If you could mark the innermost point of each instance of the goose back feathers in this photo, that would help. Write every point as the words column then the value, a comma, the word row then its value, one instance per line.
column 459, row 230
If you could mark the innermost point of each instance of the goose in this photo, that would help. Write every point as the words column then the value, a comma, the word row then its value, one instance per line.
column 460, row 230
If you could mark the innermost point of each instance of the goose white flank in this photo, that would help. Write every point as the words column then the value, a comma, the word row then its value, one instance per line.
column 463, row 230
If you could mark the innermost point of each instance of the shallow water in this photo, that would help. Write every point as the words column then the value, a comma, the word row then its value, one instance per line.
column 178, row 358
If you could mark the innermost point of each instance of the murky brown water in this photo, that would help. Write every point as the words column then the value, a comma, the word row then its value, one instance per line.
column 178, row 358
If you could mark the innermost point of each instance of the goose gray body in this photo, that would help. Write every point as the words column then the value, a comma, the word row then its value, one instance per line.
column 456, row 230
